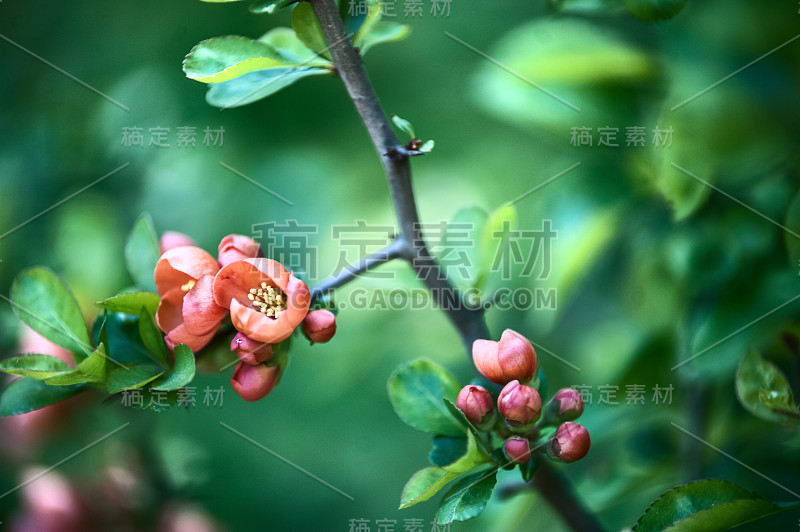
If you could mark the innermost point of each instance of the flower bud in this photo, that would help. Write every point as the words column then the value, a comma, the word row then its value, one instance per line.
column 477, row 404
column 566, row 405
column 518, row 450
column 238, row 247
column 255, row 382
column 512, row 358
column 319, row 326
column 249, row 351
column 569, row 444
column 520, row 405
column 174, row 239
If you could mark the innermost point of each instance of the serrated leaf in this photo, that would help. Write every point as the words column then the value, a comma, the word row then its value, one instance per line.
column 131, row 303
column 416, row 390
column 153, row 338
column 462, row 418
column 142, row 252
column 182, row 372
column 25, row 395
column 131, row 377
column 92, row 370
column 382, row 32
column 681, row 504
column 41, row 301
column 35, row 366
column 404, row 125
column 763, row 390
column 467, row 498
column 256, row 85
column 308, row 29
column 494, row 241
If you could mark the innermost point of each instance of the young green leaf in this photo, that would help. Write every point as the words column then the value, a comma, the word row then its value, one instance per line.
column 25, row 395
column 131, row 303
column 308, row 30
column 467, row 498
column 704, row 505
column 153, row 338
column 35, row 366
column 47, row 307
column 404, row 125
column 764, row 391
column 292, row 49
column 416, row 390
column 381, row 32
column 182, row 373
column 142, row 252
column 93, row 369
column 257, row 85
column 427, row 147
column 131, row 377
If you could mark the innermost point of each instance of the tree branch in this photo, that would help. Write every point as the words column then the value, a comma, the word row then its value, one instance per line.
column 558, row 493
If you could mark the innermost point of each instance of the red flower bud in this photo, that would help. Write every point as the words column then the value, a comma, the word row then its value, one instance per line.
column 566, row 405
column 518, row 450
column 512, row 358
column 520, row 405
column 255, row 382
column 174, row 239
column 569, row 444
column 249, row 351
column 477, row 404
column 319, row 326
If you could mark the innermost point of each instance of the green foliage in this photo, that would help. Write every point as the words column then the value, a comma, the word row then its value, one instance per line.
column 91, row 370
column 416, row 390
column 35, row 366
column 153, row 338
column 446, row 450
column 42, row 302
column 404, row 125
column 26, row 394
column 307, row 28
column 655, row 10
column 467, row 498
column 182, row 372
column 141, row 253
column 131, row 303
column 704, row 505
column 763, row 390
column 132, row 377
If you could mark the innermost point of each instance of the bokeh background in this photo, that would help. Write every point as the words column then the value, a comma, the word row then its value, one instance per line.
column 651, row 266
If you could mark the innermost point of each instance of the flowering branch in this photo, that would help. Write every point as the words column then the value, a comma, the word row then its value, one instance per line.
column 410, row 245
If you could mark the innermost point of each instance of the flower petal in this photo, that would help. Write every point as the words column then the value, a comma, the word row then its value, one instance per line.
column 180, row 335
column 169, row 315
column 174, row 239
column 238, row 247
column 200, row 312
column 234, row 281
column 255, row 382
column 179, row 265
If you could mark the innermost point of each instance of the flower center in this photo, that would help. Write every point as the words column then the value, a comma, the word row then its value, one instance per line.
column 188, row 286
column 268, row 299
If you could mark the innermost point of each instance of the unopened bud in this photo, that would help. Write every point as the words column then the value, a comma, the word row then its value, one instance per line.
column 477, row 404
column 512, row 358
column 250, row 351
column 518, row 450
column 569, row 444
column 255, row 382
column 566, row 405
column 319, row 326
column 520, row 405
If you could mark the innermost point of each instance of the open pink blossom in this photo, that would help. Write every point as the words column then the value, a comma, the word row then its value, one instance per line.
column 267, row 302
column 187, row 312
column 238, row 247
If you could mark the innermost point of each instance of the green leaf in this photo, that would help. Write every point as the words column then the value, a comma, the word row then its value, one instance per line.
column 404, row 125
column 704, row 505
column 763, row 390
column 460, row 416
column 131, row 377
column 142, row 252
column 654, row 10
column 270, row 6
column 131, row 303
column 416, row 390
column 382, row 32
column 372, row 18
column 256, row 85
column 123, row 339
column 24, row 395
column 308, row 29
column 427, row 147
column 182, row 373
column 93, row 369
column 47, row 307
column 153, row 338
column 446, row 450
column 291, row 48
column 35, row 366
column 224, row 58
column 467, row 498
column 494, row 241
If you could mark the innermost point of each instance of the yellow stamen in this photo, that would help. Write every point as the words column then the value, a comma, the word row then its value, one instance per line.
column 188, row 286
column 268, row 300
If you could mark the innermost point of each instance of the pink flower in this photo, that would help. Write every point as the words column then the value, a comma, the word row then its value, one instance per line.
column 238, row 247
column 477, row 404
column 512, row 358
column 249, row 351
column 255, row 382
column 566, row 405
column 319, row 326
column 570, row 443
column 187, row 312
column 174, row 239
column 520, row 405
column 267, row 302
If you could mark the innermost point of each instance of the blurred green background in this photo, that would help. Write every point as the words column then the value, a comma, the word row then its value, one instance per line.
column 651, row 266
